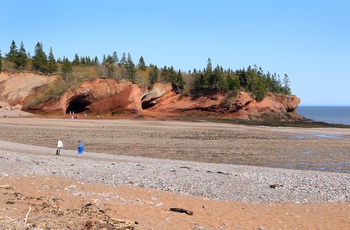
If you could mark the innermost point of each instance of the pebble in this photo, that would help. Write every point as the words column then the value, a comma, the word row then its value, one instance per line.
column 237, row 183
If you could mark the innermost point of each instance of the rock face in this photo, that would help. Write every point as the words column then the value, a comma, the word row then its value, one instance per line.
column 98, row 96
column 15, row 88
column 243, row 106
column 111, row 97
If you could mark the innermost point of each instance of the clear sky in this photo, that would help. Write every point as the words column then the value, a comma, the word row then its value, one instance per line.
column 307, row 39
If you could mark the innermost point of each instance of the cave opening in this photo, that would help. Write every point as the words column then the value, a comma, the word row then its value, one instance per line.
column 78, row 104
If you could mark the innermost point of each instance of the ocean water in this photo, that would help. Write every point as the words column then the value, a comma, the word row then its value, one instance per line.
column 329, row 114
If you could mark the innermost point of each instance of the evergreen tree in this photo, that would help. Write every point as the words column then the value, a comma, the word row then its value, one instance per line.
column 141, row 65
column 233, row 82
column 109, row 64
column 286, row 82
column 130, row 69
column 76, row 60
column 21, row 59
column 11, row 55
column 153, row 75
column 66, row 69
column 123, row 60
column 172, row 75
column 95, row 60
column 39, row 60
column 88, row 61
column 115, row 58
column 0, row 62
column 209, row 68
column 201, row 84
column 164, row 75
column 180, row 83
column 214, row 78
column 52, row 64
column 258, row 88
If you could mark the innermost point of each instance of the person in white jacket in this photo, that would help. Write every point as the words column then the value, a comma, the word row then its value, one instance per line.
column 59, row 147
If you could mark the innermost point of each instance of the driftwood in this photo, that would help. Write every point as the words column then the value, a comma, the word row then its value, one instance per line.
column 26, row 219
column 181, row 210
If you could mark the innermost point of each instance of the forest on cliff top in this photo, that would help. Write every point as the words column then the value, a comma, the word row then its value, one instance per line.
column 192, row 83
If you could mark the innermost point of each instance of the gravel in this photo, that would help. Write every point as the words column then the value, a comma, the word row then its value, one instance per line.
column 215, row 181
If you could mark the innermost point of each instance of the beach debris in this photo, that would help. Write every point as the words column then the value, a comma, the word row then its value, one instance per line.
column 218, row 172
column 6, row 186
column 182, row 211
column 185, row 167
column 276, row 185
column 26, row 219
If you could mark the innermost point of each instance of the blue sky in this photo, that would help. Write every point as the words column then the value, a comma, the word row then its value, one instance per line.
column 308, row 40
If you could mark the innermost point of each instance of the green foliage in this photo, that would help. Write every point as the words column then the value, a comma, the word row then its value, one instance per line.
column 76, row 60
column 11, row 55
column 201, row 85
column 39, row 60
column 251, row 80
column 109, row 62
column 153, row 75
column 52, row 64
column 115, row 58
column 21, row 58
column 286, row 86
column 168, row 75
column 123, row 60
column 179, row 82
column 66, row 69
column 130, row 69
column 142, row 65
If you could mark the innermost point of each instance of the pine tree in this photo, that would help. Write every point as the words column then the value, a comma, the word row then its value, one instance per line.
column 153, row 75
column 11, row 55
column 39, row 60
column 76, row 60
column 95, row 60
column 115, row 58
column 109, row 64
column 209, row 68
column 52, row 64
column 21, row 58
column 123, row 60
column 286, row 82
column 141, row 65
column 180, row 80
column 130, row 69
column 66, row 69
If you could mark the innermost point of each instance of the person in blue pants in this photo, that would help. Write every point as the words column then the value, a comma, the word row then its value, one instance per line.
column 80, row 147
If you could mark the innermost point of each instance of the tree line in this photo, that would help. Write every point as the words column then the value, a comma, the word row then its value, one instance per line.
column 194, row 83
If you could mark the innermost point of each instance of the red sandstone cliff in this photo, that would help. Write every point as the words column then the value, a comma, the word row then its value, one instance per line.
column 108, row 97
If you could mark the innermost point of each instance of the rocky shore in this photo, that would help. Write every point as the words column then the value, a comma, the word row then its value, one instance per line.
column 215, row 181
column 134, row 173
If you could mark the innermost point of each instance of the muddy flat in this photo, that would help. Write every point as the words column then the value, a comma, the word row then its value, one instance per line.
column 324, row 149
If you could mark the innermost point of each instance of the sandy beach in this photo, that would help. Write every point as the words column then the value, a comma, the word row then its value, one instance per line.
column 229, row 176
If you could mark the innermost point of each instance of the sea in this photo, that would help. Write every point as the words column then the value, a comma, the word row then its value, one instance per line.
column 328, row 114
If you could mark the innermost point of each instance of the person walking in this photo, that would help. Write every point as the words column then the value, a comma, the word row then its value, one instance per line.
column 80, row 147
column 59, row 147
